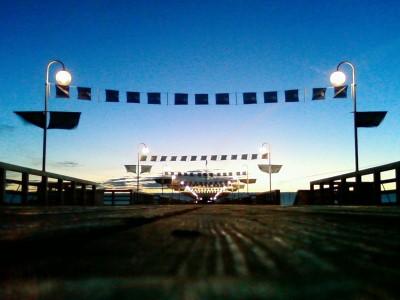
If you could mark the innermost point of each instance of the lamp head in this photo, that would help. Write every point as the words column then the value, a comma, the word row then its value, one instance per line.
column 337, row 78
column 145, row 150
column 63, row 77
column 263, row 150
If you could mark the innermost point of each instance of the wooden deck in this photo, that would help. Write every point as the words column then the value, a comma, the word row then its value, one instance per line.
column 200, row 252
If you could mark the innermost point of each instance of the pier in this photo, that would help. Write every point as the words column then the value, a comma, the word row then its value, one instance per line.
column 61, row 242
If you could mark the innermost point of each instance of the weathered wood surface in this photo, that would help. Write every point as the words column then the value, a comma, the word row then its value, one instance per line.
column 200, row 252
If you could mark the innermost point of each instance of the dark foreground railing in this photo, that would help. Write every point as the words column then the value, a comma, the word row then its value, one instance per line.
column 20, row 185
column 360, row 190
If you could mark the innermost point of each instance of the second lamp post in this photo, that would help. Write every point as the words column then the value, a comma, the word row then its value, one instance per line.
column 144, row 150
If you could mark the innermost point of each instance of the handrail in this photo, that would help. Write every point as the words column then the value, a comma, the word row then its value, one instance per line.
column 66, row 193
column 19, row 169
column 383, row 168
column 341, row 191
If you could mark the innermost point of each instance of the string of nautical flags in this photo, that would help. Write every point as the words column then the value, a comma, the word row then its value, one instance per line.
column 206, row 174
column 194, row 158
column 147, row 169
column 226, row 98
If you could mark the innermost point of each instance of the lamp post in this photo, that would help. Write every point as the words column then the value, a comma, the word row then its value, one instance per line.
column 247, row 177
column 165, row 169
column 238, row 187
column 230, row 189
column 144, row 150
column 263, row 150
column 337, row 79
column 173, row 177
column 63, row 78
column 180, row 192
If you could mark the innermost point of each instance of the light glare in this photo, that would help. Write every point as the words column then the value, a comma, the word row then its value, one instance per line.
column 63, row 78
column 145, row 150
column 263, row 150
column 337, row 78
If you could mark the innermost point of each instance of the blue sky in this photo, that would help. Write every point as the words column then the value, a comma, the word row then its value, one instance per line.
column 201, row 47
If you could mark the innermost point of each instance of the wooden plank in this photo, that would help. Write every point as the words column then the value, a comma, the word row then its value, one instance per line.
column 214, row 252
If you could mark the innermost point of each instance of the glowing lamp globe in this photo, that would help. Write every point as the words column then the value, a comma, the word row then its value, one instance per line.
column 337, row 78
column 263, row 150
column 63, row 78
column 145, row 150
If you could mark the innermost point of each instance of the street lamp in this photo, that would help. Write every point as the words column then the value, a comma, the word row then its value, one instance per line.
column 63, row 77
column 247, row 176
column 165, row 169
column 144, row 150
column 263, row 150
column 180, row 192
column 337, row 79
column 230, row 189
column 173, row 177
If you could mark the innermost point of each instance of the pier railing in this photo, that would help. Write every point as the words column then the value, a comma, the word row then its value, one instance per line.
column 20, row 185
column 365, row 187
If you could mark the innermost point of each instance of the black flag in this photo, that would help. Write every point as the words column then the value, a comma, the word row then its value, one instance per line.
column 84, row 93
column 132, row 97
column 222, row 99
column 154, row 98
column 340, row 92
column 318, row 93
column 181, row 99
column 270, row 97
column 112, row 96
column 292, row 96
column 62, row 91
column 201, row 99
column 249, row 98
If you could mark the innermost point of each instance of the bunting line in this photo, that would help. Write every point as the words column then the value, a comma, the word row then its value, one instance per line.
column 194, row 158
column 206, row 174
column 185, row 99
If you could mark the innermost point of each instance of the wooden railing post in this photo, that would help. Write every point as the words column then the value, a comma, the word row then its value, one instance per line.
column 25, row 188
column 83, row 193
column 73, row 192
column 44, row 195
column 321, row 194
column 112, row 198
column 397, row 186
column 357, row 190
column 331, row 197
column 60, row 191
column 344, row 191
column 312, row 191
column 93, row 197
column 377, row 188
column 2, row 186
